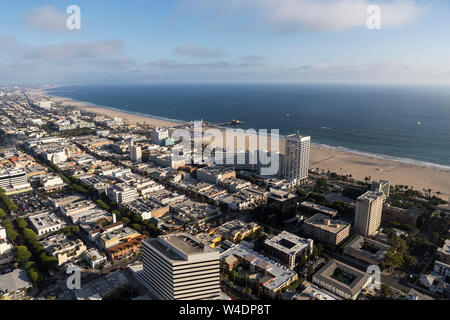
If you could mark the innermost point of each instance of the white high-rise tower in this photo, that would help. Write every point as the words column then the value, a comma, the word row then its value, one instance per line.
column 296, row 158
column 369, row 208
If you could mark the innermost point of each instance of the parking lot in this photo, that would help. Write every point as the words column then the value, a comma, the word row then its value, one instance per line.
column 29, row 203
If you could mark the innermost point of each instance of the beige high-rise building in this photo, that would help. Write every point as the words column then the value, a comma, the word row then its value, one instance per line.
column 296, row 157
column 369, row 208
column 135, row 153
column 180, row 267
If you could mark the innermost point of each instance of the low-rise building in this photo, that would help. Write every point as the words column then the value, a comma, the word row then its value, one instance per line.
column 443, row 253
column 13, row 285
column 64, row 249
column 272, row 276
column 400, row 215
column 342, row 279
column 111, row 239
column 147, row 208
column 441, row 268
column 126, row 249
column 95, row 258
column 45, row 223
column 317, row 208
column 365, row 249
column 51, row 182
column 215, row 174
column 122, row 193
column 237, row 230
column 321, row 227
column 288, row 248
column 77, row 207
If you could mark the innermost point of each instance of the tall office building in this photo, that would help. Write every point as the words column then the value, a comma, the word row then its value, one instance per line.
column 369, row 208
column 180, row 267
column 135, row 153
column 296, row 158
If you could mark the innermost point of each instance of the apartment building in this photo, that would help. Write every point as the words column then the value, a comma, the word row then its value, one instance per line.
column 320, row 227
column 369, row 209
column 64, row 249
column 296, row 157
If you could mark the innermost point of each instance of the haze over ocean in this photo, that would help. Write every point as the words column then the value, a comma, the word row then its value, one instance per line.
column 408, row 122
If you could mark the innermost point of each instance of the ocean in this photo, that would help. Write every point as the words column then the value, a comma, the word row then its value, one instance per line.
column 405, row 123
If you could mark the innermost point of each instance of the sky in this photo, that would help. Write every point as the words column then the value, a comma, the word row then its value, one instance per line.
column 230, row 41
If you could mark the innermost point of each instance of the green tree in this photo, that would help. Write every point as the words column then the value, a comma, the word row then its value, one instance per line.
column 49, row 263
column 103, row 205
column 21, row 223
column 2, row 213
column 22, row 255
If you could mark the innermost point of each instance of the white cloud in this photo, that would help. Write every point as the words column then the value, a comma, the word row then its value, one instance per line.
column 47, row 18
column 317, row 15
column 198, row 52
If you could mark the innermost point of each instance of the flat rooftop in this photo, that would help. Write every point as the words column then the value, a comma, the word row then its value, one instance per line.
column 172, row 245
column 325, row 223
column 288, row 243
column 359, row 278
column 371, row 196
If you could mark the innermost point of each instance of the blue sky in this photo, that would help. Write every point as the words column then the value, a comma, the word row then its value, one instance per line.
column 148, row 41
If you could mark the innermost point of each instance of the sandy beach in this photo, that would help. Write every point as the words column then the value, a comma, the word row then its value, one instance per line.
column 322, row 157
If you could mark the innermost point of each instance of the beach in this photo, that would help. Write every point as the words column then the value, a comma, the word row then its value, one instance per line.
column 419, row 176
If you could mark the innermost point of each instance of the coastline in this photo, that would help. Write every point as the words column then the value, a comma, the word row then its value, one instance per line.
column 327, row 158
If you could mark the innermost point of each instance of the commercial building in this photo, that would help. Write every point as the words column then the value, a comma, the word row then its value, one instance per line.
column 296, row 157
column 77, row 207
column 320, row 227
column 51, row 182
column 288, row 248
column 342, row 279
column 45, row 222
column 180, row 267
column 14, row 285
column 369, row 209
column 14, row 179
column 147, row 208
column 122, row 193
column 215, row 174
column 365, row 249
column 283, row 204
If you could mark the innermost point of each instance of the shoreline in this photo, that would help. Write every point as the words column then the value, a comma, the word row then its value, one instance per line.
column 420, row 175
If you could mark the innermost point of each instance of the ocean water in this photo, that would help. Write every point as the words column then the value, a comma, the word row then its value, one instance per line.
column 407, row 123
